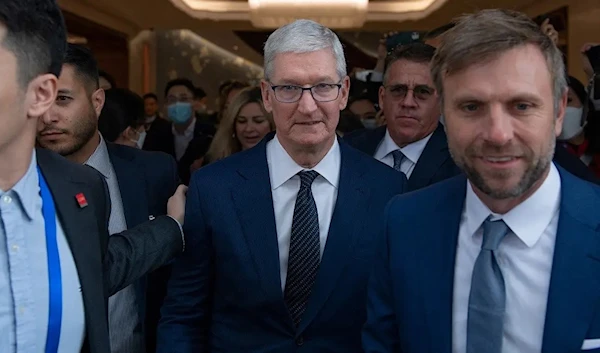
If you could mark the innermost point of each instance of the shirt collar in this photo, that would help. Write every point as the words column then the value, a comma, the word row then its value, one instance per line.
column 100, row 159
column 188, row 132
column 412, row 151
column 527, row 220
column 283, row 167
column 28, row 188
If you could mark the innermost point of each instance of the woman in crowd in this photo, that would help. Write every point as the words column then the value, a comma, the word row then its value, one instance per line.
column 581, row 127
column 122, row 118
column 244, row 124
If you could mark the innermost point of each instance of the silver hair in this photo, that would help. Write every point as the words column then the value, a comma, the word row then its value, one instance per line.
column 303, row 36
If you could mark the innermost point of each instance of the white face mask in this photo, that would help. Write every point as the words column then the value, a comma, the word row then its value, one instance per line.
column 571, row 124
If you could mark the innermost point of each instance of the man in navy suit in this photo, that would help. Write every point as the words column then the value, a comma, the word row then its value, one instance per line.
column 413, row 142
column 505, row 259
column 281, row 237
column 139, row 182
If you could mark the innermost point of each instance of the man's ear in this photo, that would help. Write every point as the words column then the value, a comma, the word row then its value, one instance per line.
column 41, row 92
column 98, row 98
column 267, row 97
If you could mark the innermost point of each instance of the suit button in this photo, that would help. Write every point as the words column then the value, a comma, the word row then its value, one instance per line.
column 299, row 341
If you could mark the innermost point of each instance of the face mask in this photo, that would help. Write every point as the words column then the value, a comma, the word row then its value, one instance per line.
column 369, row 123
column 571, row 124
column 180, row 112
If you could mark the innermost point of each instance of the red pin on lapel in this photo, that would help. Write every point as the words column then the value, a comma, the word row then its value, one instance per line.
column 81, row 200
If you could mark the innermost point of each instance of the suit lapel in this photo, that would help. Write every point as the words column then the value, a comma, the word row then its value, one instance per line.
column 438, row 277
column 79, row 226
column 372, row 139
column 131, row 186
column 253, row 201
column 574, row 286
column 343, row 233
column 433, row 156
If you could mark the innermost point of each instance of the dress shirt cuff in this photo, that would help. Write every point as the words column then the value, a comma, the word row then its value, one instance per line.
column 181, row 230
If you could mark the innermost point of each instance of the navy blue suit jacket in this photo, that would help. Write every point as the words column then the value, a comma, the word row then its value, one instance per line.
column 434, row 165
column 411, row 290
column 225, row 291
column 146, row 182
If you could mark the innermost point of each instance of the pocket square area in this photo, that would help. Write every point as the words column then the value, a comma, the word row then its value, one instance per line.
column 590, row 344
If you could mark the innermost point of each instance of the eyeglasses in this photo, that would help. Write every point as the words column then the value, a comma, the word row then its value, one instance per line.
column 323, row 92
column 420, row 92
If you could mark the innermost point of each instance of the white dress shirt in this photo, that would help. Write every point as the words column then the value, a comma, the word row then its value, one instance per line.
column 285, row 184
column 182, row 141
column 412, row 152
column 525, row 259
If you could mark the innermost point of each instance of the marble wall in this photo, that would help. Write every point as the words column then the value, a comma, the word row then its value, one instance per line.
column 184, row 54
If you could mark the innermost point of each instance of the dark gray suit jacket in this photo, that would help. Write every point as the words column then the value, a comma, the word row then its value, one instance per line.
column 105, row 264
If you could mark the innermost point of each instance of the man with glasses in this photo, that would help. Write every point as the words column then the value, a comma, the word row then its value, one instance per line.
column 413, row 142
column 282, row 236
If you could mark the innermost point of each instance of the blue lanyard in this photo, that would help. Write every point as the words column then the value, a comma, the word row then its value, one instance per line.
column 54, row 274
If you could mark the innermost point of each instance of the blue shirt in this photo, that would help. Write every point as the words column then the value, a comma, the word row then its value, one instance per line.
column 24, row 274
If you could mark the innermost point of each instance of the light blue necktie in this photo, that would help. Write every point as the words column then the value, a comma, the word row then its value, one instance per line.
column 398, row 159
column 487, row 301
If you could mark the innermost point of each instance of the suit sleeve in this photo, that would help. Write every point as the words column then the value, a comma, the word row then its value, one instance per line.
column 380, row 333
column 185, row 314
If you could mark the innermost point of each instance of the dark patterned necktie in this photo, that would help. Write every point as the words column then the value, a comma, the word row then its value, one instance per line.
column 305, row 249
column 398, row 159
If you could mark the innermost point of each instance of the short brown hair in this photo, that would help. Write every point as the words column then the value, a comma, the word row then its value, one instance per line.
column 479, row 38
column 416, row 52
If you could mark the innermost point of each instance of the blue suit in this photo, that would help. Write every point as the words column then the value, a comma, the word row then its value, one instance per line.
column 411, row 290
column 225, row 292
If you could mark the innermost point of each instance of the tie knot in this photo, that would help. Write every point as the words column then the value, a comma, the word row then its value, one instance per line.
column 398, row 155
column 493, row 233
column 306, row 178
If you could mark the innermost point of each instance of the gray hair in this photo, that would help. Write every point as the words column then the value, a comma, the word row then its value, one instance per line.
column 303, row 36
column 481, row 37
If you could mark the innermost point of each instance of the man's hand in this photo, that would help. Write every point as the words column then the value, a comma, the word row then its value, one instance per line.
column 587, row 66
column 176, row 204
column 549, row 30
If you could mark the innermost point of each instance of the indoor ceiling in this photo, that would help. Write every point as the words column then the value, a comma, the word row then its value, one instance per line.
column 132, row 16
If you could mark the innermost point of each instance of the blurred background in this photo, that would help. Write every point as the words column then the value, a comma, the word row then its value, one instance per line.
column 144, row 44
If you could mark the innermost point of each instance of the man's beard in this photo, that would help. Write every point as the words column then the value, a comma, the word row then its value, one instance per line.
column 81, row 134
column 535, row 170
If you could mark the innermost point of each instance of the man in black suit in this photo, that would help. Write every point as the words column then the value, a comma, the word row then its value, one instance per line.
column 413, row 142
column 175, row 137
column 58, row 264
column 140, row 182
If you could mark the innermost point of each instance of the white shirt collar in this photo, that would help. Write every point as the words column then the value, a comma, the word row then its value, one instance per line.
column 188, row 132
column 100, row 160
column 28, row 188
column 529, row 219
column 412, row 151
column 282, row 167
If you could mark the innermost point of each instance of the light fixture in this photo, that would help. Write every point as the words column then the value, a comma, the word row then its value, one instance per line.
column 336, row 14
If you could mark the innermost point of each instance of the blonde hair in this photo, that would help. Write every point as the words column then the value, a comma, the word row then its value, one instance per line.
column 225, row 143
column 481, row 37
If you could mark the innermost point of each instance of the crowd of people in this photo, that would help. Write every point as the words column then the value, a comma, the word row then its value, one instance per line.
column 444, row 201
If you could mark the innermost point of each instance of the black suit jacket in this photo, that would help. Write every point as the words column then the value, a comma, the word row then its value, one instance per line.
column 146, row 181
column 105, row 264
column 160, row 138
column 434, row 165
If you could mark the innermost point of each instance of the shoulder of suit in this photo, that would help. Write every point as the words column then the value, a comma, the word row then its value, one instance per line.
column 74, row 170
column 431, row 198
column 141, row 156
